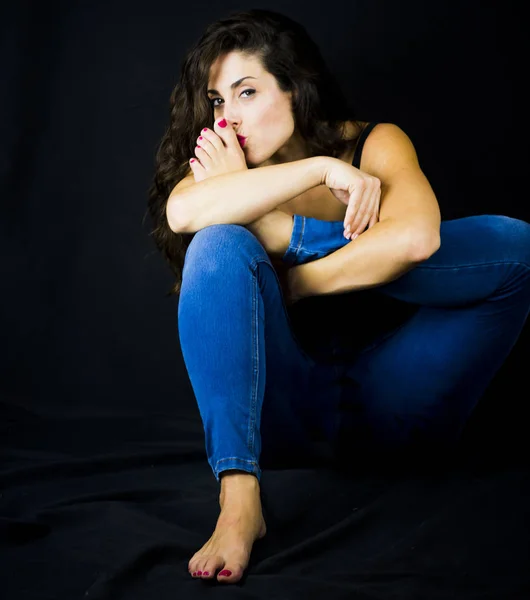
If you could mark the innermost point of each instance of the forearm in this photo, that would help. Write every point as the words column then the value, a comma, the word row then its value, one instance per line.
column 379, row 255
column 243, row 196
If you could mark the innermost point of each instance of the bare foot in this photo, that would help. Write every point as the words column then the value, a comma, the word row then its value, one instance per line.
column 239, row 525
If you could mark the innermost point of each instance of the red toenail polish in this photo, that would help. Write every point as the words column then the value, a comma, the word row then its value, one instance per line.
column 199, row 573
column 225, row 573
column 206, row 573
column 194, row 573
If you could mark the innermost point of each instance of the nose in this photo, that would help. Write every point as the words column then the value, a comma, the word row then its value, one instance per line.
column 230, row 113
column 232, row 122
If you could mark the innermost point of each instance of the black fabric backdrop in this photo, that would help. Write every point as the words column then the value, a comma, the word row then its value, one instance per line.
column 105, row 489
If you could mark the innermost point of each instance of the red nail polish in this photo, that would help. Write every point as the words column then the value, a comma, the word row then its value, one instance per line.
column 206, row 573
column 225, row 573
column 205, row 129
column 222, row 123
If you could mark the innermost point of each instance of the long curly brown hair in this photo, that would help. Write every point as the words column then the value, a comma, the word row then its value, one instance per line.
column 286, row 51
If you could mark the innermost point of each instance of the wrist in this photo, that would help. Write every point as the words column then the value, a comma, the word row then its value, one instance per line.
column 322, row 164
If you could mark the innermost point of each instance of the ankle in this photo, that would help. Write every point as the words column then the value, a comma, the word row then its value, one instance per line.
column 236, row 483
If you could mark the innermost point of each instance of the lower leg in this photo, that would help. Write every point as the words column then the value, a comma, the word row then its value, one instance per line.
column 236, row 484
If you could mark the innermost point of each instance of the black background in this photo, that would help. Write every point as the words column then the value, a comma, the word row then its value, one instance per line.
column 105, row 486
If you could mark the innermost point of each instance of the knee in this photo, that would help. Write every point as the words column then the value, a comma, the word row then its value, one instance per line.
column 216, row 241
column 512, row 235
column 215, row 246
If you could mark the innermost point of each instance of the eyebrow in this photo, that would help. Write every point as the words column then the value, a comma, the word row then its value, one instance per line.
column 233, row 85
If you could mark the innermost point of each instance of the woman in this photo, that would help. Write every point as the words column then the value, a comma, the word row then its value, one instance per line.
column 313, row 204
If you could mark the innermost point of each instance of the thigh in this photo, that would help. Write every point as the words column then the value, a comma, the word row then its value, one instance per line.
column 421, row 380
column 477, row 256
column 419, row 385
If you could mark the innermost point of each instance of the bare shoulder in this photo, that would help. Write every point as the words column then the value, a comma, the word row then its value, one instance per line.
column 386, row 150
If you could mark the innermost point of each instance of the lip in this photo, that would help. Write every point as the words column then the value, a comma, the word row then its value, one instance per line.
column 241, row 139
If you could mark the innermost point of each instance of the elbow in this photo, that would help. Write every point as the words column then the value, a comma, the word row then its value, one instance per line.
column 174, row 216
column 419, row 242
column 422, row 247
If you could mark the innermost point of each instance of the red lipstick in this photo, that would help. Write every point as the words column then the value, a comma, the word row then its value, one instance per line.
column 241, row 139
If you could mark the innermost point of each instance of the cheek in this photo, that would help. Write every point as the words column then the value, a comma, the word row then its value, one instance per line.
column 275, row 123
column 268, row 117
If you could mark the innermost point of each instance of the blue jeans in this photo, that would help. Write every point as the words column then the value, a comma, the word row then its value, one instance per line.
column 263, row 398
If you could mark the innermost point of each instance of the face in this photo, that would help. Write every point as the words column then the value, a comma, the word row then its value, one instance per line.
column 256, row 109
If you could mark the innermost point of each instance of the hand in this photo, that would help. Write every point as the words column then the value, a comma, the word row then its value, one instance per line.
column 360, row 192
column 218, row 152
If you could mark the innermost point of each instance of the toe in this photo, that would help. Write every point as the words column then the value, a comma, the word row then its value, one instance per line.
column 199, row 566
column 209, row 568
column 230, row 574
column 193, row 566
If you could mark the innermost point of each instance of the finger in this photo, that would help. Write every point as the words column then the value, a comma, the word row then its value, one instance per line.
column 375, row 210
column 373, row 219
column 361, row 212
column 364, row 222
column 353, row 206
column 370, row 210
column 367, row 206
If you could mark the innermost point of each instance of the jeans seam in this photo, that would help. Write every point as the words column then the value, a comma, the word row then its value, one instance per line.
column 250, row 462
column 484, row 264
column 306, row 355
column 255, row 365
column 302, row 231
column 254, row 464
column 294, row 247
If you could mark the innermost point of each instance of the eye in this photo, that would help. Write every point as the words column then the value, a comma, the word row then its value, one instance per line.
column 212, row 101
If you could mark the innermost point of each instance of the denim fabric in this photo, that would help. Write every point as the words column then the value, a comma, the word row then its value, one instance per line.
column 313, row 238
column 262, row 399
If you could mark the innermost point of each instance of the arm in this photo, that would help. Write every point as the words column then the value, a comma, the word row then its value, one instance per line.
column 371, row 260
column 243, row 196
column 408, row 231
column 379, row 255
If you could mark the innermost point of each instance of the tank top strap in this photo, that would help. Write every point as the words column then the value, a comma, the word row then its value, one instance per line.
column 362, row 138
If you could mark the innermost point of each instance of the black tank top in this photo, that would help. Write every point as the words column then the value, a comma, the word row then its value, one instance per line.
column 335, row 328
column 356, row 162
